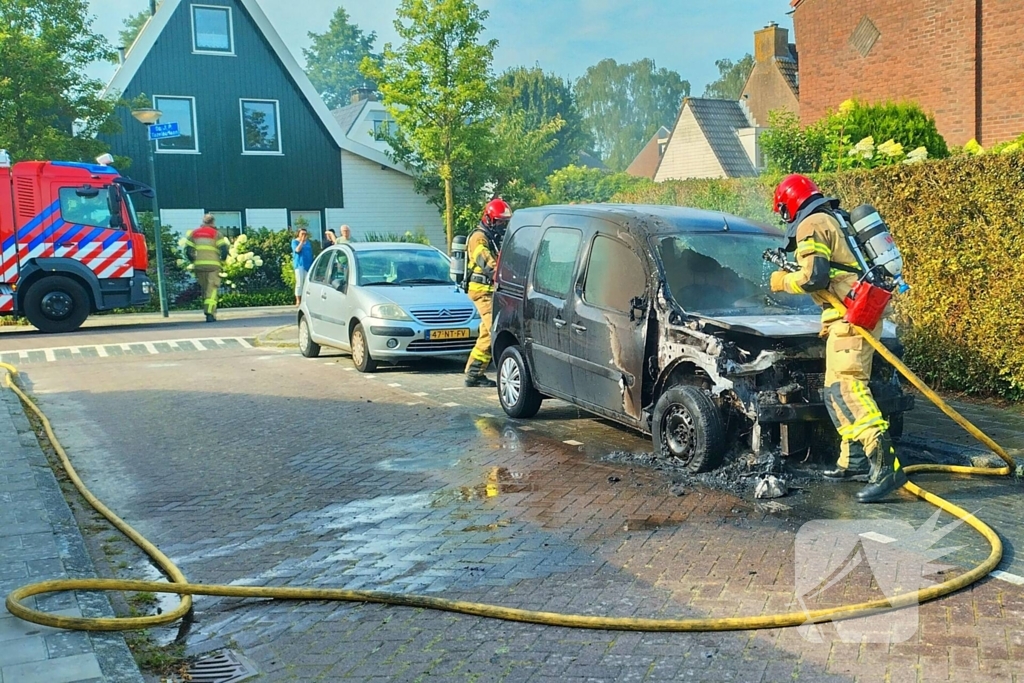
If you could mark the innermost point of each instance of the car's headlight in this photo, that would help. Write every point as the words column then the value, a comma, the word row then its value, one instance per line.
column 389, row 312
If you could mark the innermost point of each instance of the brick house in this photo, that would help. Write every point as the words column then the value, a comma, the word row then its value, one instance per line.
column 773, row 82
column 961, row 60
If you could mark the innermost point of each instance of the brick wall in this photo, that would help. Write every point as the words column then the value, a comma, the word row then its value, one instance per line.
column 925, row 51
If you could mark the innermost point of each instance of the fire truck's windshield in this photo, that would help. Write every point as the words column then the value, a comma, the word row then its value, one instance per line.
column 132, row 216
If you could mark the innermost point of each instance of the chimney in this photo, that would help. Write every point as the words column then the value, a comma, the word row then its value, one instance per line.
column 120, row 55
column 771, row 42
column 152, row 7
column 362, row 92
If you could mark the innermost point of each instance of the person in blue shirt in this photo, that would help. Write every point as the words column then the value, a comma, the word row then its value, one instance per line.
column 302, row 260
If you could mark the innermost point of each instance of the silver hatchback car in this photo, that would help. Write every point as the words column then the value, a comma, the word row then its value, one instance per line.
column 384, row 301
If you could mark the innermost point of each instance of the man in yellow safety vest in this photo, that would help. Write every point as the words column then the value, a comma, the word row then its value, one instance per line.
column 206, row 249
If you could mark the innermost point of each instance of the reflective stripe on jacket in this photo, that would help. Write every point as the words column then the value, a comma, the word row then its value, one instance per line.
column 820, row 245
column 207, row 247
column 480, row 262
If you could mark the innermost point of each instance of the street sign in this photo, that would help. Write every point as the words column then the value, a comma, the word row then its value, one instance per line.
column 163, row 131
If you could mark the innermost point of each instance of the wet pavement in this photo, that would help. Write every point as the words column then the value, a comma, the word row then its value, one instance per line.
column 258, row 467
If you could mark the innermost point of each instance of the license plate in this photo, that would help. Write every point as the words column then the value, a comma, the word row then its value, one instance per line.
column 447, row 334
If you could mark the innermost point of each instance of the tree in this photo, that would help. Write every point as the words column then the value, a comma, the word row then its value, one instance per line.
column 623, row 105
column 333, row 59
column 437, row 86
column 542, row 98
column 732, row 76
column 132, row 26
column 49, row 107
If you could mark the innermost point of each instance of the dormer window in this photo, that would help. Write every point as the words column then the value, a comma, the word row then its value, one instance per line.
column 212, row 32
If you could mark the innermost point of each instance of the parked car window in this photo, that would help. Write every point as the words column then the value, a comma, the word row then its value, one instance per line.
column 320, row 268
column 615, row 275
column 556, row 261
column 79, row 210
column 402, row 267
column 338, row 269
column 516, row 254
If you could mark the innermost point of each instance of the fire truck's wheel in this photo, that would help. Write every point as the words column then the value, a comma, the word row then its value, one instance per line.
column 687, row 428
column 57, row 304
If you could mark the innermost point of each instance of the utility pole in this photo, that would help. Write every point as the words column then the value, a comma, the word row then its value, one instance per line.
column 148, row 117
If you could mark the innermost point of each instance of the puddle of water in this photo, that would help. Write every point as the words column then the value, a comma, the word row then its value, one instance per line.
column 499, row 481
column 165, row 602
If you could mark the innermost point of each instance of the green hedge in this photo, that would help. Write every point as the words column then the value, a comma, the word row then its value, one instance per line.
column 960, row 225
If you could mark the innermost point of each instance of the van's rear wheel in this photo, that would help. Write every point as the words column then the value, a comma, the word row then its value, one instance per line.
column 687, row 427
column 57, row 304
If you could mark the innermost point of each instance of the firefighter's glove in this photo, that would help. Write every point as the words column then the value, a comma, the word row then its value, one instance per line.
column 778, row 283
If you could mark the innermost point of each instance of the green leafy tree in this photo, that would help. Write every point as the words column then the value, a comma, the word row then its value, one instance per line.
column 132, row 26
column 333, row 59
column 788, row 148
column 623, row 105
column 49, row 107
column 732, row 76
column 543, row 98
column 437, row 86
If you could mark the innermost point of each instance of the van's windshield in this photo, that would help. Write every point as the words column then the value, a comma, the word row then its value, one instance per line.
column 724, row 275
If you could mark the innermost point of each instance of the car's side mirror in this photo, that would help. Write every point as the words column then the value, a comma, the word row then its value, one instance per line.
column 637, row 308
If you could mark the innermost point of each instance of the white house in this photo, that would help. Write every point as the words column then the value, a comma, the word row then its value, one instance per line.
column 711, row 139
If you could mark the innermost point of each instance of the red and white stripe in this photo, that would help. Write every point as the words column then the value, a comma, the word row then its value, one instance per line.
column 114, row 261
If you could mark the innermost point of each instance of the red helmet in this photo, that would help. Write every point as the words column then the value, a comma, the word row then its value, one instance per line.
column 497, row 211
column 792, row 193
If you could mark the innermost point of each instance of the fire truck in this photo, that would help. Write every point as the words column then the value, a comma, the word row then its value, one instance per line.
column 70, row 242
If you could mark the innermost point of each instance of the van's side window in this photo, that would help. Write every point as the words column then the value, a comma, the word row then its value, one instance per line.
column 516, row 253
column 614, row 275
column 556, row 261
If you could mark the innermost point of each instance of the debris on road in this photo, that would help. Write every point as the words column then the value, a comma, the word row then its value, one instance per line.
column 770, row 486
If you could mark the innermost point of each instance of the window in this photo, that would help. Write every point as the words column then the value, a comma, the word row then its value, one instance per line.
column 383, row 125
column 180, row 110
column 319, row 272
column 339, row 269
column 614, row 275
column 310, row 220
column 211, row 30
column 556, row 261
column 92, row 211
column 260, row 132
column 516, row 252
column 229, row 223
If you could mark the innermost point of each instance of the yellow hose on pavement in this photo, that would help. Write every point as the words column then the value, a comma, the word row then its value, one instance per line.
column 180, row 585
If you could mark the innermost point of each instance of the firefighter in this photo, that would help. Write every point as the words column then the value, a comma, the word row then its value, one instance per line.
column 481, row 254
column 828, row 263
column 206, row 249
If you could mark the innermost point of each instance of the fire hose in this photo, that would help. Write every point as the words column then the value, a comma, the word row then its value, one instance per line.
column 180, row 585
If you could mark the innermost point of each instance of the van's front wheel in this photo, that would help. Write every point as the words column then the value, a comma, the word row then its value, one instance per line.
column 687, row 426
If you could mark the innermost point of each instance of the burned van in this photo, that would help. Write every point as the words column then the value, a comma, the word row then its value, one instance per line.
column 661, row 318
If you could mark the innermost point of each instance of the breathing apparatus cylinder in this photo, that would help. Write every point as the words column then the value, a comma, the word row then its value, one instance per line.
column 457, row 267
column 876, row 243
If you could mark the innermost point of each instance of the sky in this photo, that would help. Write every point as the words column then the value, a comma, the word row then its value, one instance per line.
column 562, row 36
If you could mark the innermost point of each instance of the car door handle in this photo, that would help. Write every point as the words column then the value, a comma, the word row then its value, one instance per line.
column 578, row 327
column 323, row 295
column 558, row 322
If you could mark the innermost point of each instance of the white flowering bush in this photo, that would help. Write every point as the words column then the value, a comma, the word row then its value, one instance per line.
column 240, row 262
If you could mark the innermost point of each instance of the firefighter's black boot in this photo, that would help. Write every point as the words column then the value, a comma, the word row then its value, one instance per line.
column 475, row 376
column 887, row 476
column 858, row 467
column 211, row 318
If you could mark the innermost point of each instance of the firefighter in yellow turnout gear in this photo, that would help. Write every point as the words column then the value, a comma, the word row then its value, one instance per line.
column 206, row 249
column 828, row 263
column 481, row 261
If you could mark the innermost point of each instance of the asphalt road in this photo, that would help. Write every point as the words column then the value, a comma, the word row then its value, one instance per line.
column 257, row 466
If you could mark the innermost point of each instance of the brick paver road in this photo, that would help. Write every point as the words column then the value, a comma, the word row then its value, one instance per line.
column 260, row 467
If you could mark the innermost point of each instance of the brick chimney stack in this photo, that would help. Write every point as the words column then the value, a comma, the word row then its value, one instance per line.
column 771, row 42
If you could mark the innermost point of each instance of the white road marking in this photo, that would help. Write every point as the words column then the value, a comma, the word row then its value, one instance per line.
column 573, row 442
column 348, row 369
column 394, row 384
column 485, row 415
column 101, row 350
column 150, row 347
column 49, row 355
column 452, row 389
column 875, row 536
column 420, row 393
column 1008, row 577
column 200, row 346
column 450, row 405
column 414, row 403
column 245, row 344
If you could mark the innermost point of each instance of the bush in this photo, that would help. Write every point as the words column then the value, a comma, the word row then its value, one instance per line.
column 418, row 237
column 960, row 226
column 576, row 184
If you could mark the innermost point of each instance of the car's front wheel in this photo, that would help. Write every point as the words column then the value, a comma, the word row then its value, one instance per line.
column 361, row 352
column 518, row 396
column 307, row 347
column 687, row 426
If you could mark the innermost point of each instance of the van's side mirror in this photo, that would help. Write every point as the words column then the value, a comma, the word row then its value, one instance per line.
column 637, row 308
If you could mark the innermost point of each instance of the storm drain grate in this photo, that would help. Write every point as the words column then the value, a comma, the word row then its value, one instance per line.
column 226, row 666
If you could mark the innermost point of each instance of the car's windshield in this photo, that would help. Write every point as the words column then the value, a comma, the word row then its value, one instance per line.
column 724, row 275
column 402, row 267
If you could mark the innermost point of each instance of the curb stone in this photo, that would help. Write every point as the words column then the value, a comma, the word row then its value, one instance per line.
column 112, row 654
column 266, row 338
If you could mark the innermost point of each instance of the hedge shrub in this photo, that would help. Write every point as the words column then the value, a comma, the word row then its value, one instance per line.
column 960, row 225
